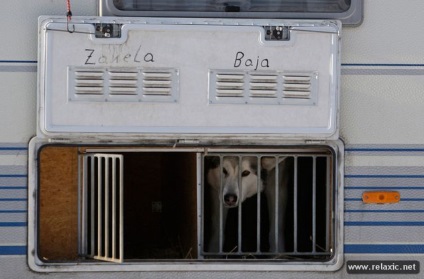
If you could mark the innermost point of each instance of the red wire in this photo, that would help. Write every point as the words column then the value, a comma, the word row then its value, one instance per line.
column 68, row 9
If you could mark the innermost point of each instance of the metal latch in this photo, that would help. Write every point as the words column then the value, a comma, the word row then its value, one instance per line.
column 107, row 30
column 277, row 33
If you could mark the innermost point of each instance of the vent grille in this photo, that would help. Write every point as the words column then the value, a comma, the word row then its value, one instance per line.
column 123, row 84
column 157, row 83
column 229, row 85
column 297, row 86
column 257, row 87
column 89, row 82
column 263, row 86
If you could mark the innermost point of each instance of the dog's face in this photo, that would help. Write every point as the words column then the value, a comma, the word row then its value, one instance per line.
column 239, row 180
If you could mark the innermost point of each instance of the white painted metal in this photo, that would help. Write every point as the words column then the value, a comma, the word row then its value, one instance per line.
column 102, row 182
column 300, row 110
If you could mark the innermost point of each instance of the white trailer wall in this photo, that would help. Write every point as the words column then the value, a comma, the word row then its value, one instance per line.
column 382, row 100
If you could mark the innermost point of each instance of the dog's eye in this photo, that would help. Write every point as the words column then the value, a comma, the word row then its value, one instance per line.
column 245, row 173
column 224, row 171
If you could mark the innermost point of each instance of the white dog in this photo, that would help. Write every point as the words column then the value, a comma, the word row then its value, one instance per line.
column 234, row 194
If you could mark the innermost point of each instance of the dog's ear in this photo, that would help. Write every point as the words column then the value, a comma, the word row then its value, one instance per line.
column 212, row 162
column 269, row 163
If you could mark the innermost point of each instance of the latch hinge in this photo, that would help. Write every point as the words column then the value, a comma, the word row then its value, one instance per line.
column 107, row 30
column 277, row 33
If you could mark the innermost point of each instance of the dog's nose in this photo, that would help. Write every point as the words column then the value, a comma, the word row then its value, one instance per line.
column 230, row 199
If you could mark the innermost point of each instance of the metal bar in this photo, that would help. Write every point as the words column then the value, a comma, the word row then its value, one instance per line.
column 327, row 203
column 114, row 207
column 240, row 159
column 99, row 206
column 200, row 204
column 314, row 203
column 277, row 174
column 258, row 210
column 83, row 189
column 121, row 209
column 92, row 205
column 295, row 189
column 106, row 213
column 81, row 235
column 221, row 206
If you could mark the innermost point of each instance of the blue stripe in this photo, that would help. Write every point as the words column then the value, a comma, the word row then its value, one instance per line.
column 402, row 199
column 18, row 61
column 13, row 175
column 383, row 211
column 13, row 250
column 384, row 187
column 384, row 149
column 383, row 176
column 383, row 249
column 383, row 224
column 380, row 65
column 13, row 224
column 13, row 188
column 12, row 211
column 12, row 200
column 14, row 148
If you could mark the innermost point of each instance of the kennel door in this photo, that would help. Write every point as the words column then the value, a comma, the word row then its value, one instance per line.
column 101, row 206
column 182, row 78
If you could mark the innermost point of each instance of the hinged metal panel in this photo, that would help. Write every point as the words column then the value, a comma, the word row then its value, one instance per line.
column 178, row 78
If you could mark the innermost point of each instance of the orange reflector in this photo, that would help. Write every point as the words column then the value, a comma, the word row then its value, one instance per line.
column 381, row 197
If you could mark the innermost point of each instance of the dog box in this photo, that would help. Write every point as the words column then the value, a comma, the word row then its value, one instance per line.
column 137, row 119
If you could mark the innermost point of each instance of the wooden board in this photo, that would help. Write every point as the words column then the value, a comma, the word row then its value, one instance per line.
column 58, row 219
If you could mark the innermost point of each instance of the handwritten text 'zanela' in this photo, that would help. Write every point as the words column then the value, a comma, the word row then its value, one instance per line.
column 117, row 57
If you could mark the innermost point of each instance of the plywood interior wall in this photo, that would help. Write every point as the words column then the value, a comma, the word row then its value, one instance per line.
column 58, row 195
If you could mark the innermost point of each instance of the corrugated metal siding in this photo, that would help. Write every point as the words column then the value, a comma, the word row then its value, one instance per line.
column 384, row 228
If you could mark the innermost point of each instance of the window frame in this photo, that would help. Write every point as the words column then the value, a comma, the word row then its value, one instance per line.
column 37, row 264
column 353, row 16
